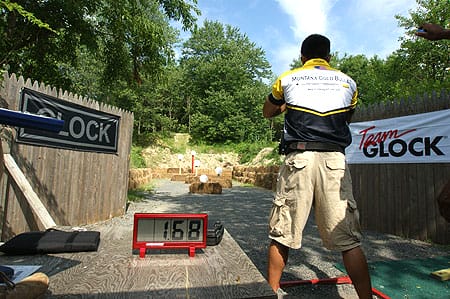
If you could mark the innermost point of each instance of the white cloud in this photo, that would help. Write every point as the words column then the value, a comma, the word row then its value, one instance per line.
column 354, row 26
column 382, row 9
column 308, row 16
column 377, row 18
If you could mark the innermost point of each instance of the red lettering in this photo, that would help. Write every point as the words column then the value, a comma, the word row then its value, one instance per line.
column 377, row 138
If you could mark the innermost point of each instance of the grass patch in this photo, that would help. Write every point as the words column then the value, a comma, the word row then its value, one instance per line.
column 136, row 159
column 138, row 194
column 248, row 151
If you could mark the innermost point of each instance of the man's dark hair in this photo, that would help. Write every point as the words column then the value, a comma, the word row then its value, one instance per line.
column 316, row 46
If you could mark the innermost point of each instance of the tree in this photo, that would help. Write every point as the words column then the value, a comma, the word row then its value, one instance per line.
column 423, row 65
column 371, row 76
column 224, row 71
column 137, row 48
column 111, row 51
column 33, row 51
column 12, row 6
column 129, row 36
column 137, row 39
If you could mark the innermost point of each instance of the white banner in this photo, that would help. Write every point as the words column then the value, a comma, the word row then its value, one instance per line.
column 419, row 138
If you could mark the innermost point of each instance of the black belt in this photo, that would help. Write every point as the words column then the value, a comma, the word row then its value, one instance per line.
column 314, row 146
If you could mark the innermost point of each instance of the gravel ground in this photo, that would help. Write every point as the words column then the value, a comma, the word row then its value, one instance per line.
column 244, row 211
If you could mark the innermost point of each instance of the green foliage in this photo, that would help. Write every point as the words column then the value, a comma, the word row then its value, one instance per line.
column 111, row 51
column 84, row 76
column 223, row 71
column 274, row 155
column 422, row 65
column 370, row 75
column 137, row 39
column 11, row 6
column 248, row 151
column 181, row 10
column 136, row 159
column 135, row 196
column 29, row 49
column 138, row 54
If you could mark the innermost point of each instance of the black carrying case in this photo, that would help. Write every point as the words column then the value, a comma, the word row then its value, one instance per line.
column 51, row 241
column 6, row 274
column 214, row 233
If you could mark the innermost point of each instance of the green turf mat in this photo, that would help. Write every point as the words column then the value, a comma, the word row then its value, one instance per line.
column 409, row 278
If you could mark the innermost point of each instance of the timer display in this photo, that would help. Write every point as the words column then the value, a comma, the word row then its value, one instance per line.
column 169, row 231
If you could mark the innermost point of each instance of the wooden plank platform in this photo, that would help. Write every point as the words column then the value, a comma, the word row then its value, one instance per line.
column 222, row 271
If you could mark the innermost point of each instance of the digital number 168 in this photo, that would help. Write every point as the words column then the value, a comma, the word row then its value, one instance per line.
column 176, row 229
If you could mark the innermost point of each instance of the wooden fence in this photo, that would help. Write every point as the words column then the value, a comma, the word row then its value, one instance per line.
column 75, row 187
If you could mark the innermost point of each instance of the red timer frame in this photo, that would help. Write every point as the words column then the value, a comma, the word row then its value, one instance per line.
column 169, row 231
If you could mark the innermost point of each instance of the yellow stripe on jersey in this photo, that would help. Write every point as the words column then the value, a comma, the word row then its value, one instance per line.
column 320, row 113
column 319, row 100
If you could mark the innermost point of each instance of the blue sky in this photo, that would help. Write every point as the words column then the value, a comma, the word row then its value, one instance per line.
column 278, row 26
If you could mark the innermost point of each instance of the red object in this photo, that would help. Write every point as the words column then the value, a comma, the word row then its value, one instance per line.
column 169, row 231
column 192, row 167
column 380, row 294
column 335, row 280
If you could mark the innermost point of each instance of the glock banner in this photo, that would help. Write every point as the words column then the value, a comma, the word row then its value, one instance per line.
column 417, row 138
column 84, row 129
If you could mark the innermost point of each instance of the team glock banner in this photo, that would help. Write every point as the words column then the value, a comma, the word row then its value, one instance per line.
column 419, row 138
column 84, row 129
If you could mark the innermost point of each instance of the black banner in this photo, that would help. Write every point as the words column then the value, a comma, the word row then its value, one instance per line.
column 84, row 129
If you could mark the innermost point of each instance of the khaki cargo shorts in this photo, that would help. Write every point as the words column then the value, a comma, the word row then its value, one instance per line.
column 320, row 180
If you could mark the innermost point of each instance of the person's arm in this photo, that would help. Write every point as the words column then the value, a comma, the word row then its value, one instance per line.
column 433, row 32
column 271, row 110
